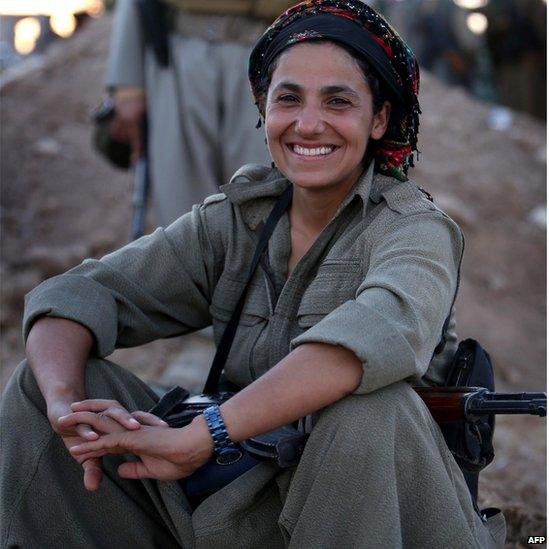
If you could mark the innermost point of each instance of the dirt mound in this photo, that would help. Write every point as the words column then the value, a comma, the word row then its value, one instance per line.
column 61, row 203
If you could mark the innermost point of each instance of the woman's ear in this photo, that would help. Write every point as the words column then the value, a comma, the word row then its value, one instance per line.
column 381, row 121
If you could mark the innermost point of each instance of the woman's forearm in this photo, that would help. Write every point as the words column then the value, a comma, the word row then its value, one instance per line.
column 57, row 350
column 311, row 377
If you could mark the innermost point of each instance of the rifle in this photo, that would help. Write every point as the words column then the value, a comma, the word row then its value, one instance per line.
column 141, row 189
column 466, row 416
column 449, row 404
column 119, row 154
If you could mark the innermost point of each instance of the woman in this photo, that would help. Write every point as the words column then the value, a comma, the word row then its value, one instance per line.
column 348, row 305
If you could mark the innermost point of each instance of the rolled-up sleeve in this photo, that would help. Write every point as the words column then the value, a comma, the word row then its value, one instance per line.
column 396, row 319
column 156, row 287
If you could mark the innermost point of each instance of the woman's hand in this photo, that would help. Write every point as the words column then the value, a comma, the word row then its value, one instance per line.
column 107, row 410
column 74, row 435
column 112, row 418
column 164, row 453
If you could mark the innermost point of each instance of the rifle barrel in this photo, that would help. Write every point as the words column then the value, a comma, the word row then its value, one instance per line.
column 501, row 403
column 448, row 404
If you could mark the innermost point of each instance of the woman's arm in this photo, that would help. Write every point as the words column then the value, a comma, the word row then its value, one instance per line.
column 57, row 350
column 308, row 379
column 158, row 286
column 311, row 377
column 124, row 299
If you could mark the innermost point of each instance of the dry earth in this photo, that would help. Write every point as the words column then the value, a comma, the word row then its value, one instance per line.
column 61, row 203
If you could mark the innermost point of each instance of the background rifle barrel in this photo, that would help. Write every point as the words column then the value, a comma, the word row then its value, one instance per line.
column 139, row 199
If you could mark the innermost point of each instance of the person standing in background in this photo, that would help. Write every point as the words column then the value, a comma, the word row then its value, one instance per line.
column 182, row 64
column 516, row 38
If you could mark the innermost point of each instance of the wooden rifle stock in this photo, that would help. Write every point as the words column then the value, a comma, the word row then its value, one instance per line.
column 448, row 404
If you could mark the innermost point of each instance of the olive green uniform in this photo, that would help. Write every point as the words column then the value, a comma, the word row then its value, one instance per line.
column 375, row 472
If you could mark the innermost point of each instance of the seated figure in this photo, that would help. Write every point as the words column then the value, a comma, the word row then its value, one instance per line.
column 344, row 312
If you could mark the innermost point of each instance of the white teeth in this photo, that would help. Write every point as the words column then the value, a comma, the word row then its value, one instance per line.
column 317, row 151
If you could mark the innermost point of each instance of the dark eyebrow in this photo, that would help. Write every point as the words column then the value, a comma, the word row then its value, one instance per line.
column 288, row 85
column 326, row 90
column 329, row 90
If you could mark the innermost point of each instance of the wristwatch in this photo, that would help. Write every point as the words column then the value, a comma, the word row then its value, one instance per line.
column 225, row 449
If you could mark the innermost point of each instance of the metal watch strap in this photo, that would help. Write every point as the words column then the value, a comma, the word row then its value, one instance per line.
column 225, row 449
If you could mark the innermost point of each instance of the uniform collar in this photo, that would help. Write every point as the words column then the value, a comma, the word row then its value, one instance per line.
column 254, row 187
column 253, row 181
column 361, row 189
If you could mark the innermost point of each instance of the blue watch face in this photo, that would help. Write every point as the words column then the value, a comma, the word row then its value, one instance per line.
column 229, row 455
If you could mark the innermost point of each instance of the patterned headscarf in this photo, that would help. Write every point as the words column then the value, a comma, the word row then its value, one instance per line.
column 355, row 25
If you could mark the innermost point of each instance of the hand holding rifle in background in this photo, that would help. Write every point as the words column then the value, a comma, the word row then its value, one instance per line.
column 121, row 137
column 128, row 119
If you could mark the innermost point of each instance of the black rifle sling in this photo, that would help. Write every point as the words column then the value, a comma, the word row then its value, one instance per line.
column 224, row 347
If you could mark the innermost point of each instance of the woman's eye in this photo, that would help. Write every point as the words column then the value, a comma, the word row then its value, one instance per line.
column 287, row 98
column 338, row 101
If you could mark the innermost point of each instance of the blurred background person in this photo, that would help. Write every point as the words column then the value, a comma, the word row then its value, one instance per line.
column 182, row 64
column 493, row 48
column 516, row 38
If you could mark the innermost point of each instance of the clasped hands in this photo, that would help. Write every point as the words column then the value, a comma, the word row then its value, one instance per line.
column 97, row 427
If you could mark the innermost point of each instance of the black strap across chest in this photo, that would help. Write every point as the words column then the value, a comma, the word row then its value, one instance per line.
column 224, row 347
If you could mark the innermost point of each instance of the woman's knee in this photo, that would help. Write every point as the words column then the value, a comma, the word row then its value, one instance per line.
column 103, row 379
column 368, row 422
column 21, row 385
column 396, row 400
column 107, row 380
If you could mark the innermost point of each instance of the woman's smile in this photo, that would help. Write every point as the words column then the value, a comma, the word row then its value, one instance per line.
column 312, row 152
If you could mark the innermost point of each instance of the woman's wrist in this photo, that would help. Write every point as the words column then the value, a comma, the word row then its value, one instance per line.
column 62, row 393
column 200, row 444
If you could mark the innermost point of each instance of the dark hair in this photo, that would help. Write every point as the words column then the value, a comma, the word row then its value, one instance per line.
column 379, row 94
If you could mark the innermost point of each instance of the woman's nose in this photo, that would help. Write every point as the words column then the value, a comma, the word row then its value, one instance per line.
column 309, row 121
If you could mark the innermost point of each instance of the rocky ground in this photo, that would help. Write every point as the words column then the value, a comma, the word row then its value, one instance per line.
column 61, row 203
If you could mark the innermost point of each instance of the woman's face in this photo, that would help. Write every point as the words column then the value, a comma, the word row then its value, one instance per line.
column 319, row 116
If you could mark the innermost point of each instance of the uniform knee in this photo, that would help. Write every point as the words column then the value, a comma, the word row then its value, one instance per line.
column 378, row 407
column 22, row 384
column 375, row 421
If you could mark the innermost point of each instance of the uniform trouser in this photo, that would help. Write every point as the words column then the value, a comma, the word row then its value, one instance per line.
column 202, row 122
column 375, row 474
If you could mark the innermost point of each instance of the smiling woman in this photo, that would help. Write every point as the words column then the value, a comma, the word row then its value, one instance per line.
column 319, row 118
column 351, row 305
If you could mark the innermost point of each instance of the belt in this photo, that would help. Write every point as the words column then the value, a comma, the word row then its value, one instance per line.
column 259, row 9
column 218, row 28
